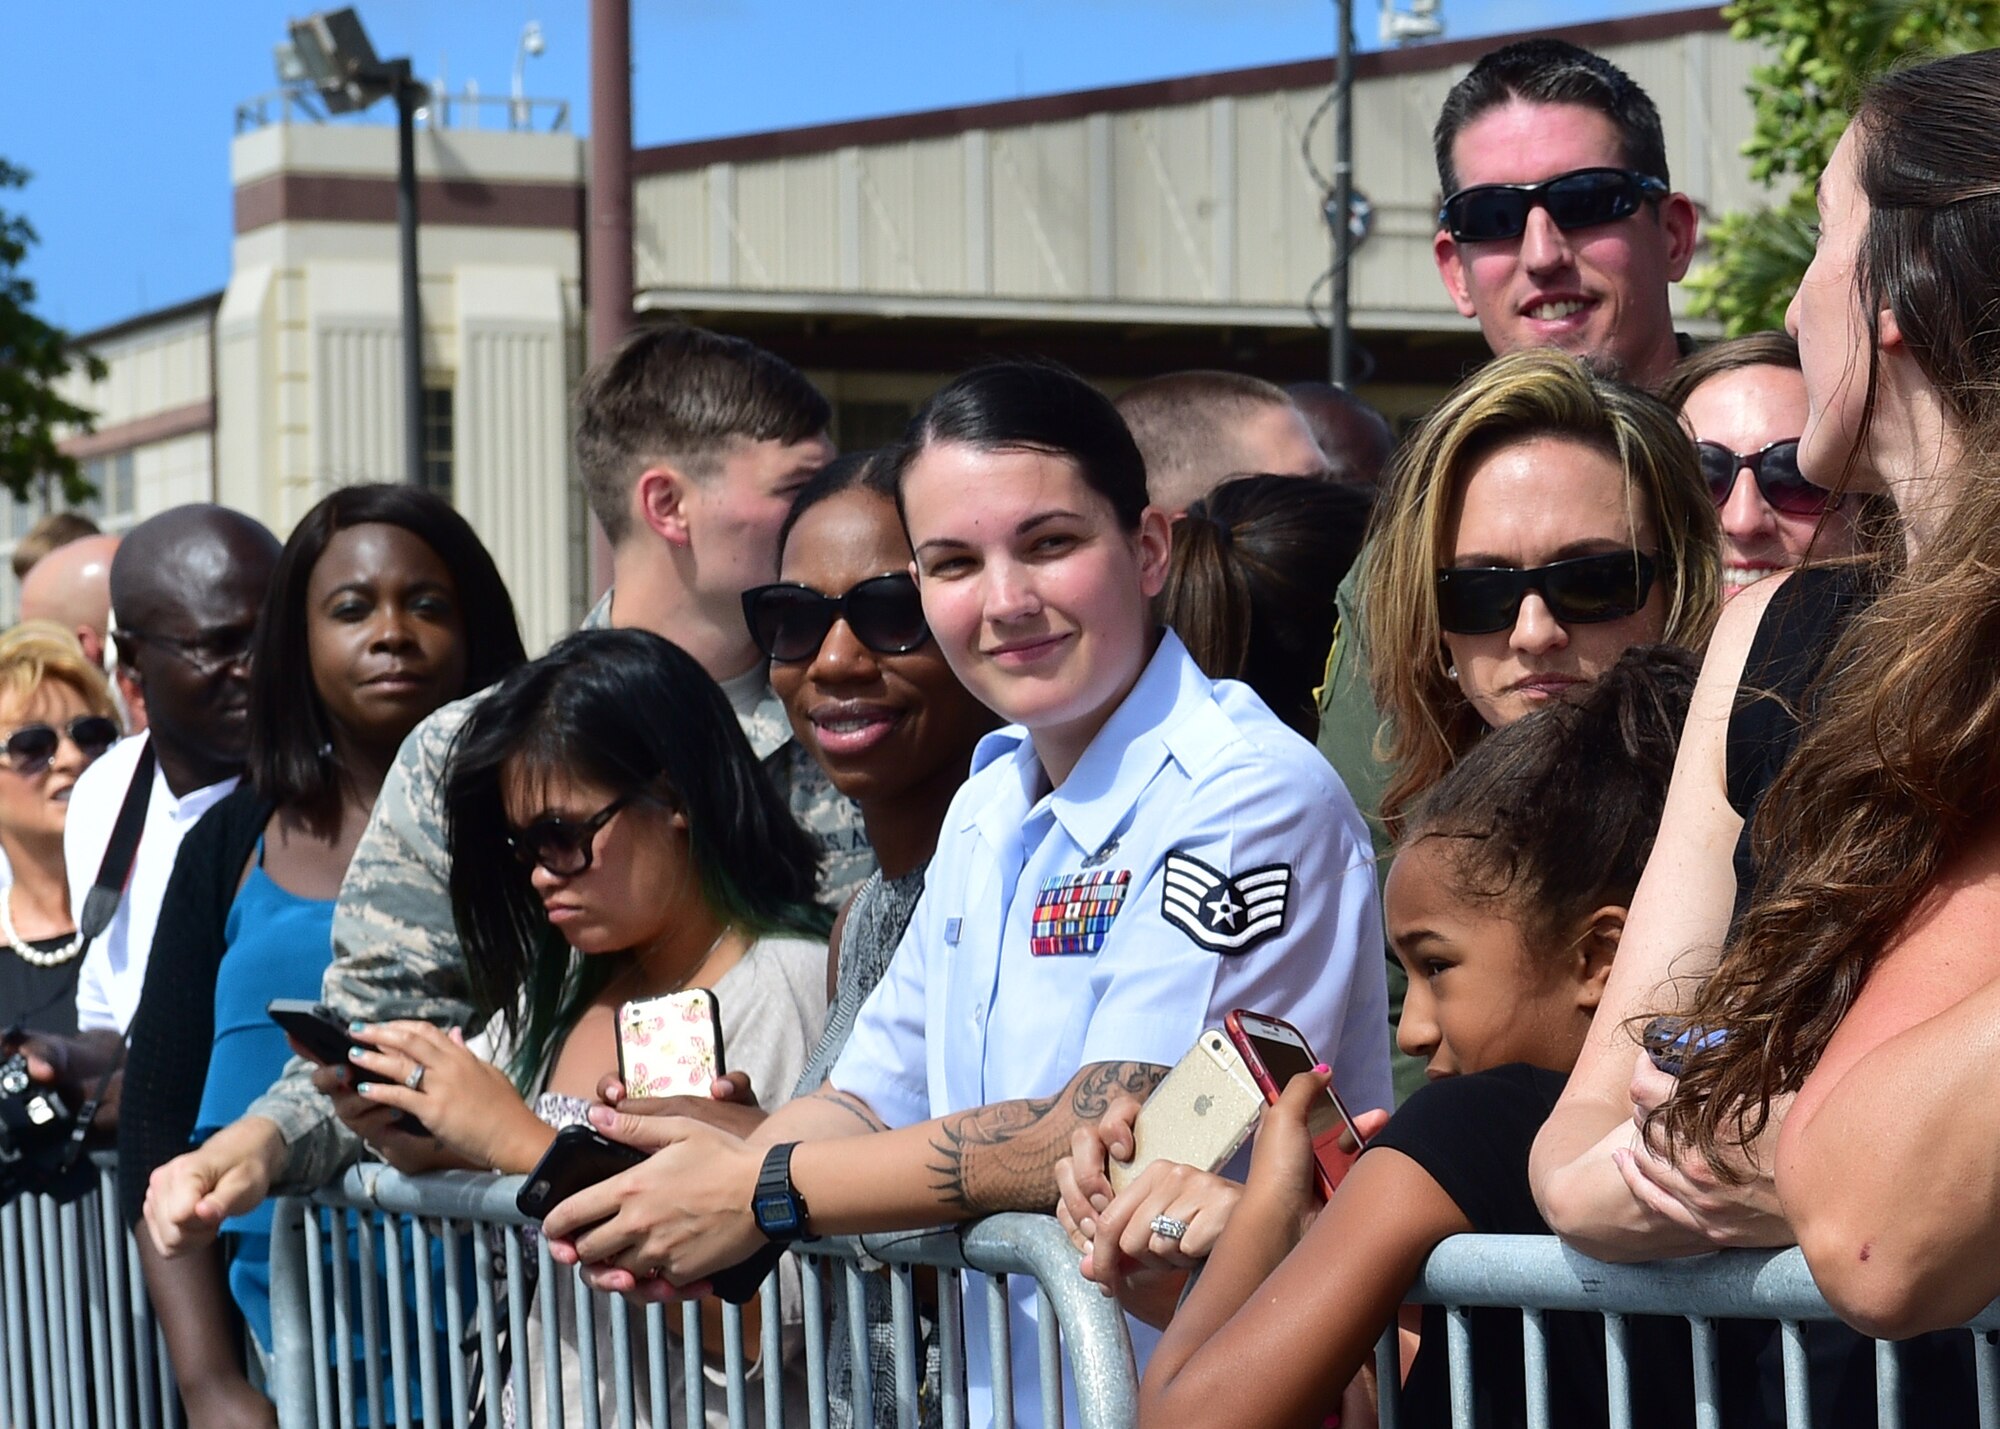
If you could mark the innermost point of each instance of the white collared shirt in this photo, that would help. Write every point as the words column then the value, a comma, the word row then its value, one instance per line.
column 114, row 969
column 1200, row 857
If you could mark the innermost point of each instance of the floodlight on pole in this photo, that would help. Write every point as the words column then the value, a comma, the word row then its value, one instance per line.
column 1420, row 22
column 532, row 44
column 331, row 51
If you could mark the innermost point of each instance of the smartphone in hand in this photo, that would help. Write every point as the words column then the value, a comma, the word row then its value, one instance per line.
column 578, row 1158
column 314, row 1029
column 670, row 1046
column 1275, row 1052
column 1199, row 1114
column 319, row 1033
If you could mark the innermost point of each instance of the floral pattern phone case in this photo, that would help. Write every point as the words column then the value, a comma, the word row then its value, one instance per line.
column 670, row 1046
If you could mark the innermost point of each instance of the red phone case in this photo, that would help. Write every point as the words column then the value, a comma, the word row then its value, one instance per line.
column 1330, row 1161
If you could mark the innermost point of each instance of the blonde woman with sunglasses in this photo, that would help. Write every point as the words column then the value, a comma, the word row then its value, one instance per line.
column 1542, row 522
column 56, row 717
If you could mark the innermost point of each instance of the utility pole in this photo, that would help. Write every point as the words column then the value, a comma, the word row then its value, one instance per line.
column 409, row 94
column 1342, row 202
column 608, row 256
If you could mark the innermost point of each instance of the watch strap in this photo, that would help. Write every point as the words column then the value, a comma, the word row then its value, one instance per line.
column 774, row 1184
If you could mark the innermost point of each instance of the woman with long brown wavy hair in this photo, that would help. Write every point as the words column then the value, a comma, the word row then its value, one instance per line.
column 1870, row 868
column 1864, row 976
column 1543, row 520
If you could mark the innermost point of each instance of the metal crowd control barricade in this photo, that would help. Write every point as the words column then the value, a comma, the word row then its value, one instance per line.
column 78, row 1344
column 1537, row 1274
column 452, row 1238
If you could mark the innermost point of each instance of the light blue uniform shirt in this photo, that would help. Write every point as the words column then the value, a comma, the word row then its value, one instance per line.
column 1200, row 857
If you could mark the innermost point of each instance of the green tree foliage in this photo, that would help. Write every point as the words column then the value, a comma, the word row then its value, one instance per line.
column 1823, row 53
column 33, row 355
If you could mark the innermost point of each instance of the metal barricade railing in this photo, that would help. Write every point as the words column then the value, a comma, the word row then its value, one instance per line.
column 462, row 1340
column 1538, row 1274
column 79, row 1347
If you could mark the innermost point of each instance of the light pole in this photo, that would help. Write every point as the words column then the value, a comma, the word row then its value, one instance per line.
column 531, row 45
column 333, row 51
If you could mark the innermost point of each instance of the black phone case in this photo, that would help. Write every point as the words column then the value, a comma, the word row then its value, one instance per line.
column 579, row 1157
column 314, row 1027
column 739, row 1283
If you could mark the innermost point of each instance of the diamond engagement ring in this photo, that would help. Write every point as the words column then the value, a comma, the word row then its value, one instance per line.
column 1167, row 1228
column 415, row 1079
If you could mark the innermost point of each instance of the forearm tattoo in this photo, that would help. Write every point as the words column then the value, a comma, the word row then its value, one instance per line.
column 852, row 1105
column 1003, row 1157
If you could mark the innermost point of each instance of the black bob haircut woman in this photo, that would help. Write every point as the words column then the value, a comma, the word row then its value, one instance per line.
column 1032, row 405
column 288, row 726
column 637, row 715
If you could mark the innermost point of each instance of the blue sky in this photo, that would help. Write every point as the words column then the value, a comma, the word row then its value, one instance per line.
column 123, row 108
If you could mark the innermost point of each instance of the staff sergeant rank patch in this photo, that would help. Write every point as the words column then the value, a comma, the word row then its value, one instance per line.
column 1073, row 911
column 1221, row 913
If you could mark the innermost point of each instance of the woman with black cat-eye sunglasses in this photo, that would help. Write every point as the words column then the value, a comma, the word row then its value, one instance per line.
column 1744, row 404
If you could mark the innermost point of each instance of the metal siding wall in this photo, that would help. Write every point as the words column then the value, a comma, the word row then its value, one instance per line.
column 1163, row 170
column 1040, row 213
column 788, row 222
column 672, row 222
column 512, row 471
column 358, row 415
column 911, row 217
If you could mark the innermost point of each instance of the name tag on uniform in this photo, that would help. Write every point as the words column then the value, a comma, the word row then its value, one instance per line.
column 1073, row 911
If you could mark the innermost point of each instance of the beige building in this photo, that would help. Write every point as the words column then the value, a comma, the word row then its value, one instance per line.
column 1124, row 231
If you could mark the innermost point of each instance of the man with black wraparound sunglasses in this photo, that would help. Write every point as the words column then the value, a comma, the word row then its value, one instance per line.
column 1558, row 225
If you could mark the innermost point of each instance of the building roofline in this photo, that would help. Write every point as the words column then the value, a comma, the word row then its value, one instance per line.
column 1189, row 89
column 207, row 302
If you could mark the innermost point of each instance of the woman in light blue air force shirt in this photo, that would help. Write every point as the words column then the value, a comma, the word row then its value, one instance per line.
column 1139, row 851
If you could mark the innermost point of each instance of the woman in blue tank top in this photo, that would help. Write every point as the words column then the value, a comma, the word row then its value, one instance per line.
column 384, row 606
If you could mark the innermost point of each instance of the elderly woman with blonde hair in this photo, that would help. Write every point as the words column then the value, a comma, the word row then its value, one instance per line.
column 56, row 716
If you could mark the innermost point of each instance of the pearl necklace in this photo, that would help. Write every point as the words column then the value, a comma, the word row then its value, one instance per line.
column 27, row 952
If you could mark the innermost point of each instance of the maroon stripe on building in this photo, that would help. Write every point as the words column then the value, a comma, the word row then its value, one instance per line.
column 142, row 431
column 351, row 198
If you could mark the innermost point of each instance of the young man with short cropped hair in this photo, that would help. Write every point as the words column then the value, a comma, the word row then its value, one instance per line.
column 1559, row 225
column 1197, row 429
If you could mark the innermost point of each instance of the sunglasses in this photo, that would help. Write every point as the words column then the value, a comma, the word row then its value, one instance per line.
column 565, row 847
column 32, row 748
column 207, row 655
column 789, row 621
column 1479, row 600
column 1776, row 471
column 1581, row 198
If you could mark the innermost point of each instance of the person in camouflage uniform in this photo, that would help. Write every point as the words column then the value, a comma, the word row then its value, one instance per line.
column 691, row 446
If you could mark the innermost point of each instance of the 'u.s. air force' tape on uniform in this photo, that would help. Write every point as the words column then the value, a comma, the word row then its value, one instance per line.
column 1221, row 913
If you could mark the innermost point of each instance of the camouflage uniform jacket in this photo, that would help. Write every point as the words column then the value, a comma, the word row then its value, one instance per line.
column 395, row 948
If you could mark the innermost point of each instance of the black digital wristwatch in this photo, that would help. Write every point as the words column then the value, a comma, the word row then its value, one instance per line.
column 779, row 1209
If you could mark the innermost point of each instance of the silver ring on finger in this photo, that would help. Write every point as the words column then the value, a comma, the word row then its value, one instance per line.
column 415, row 1080
column 1167, row 1228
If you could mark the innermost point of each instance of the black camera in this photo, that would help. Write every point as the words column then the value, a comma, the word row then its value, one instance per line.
column 36, row 1128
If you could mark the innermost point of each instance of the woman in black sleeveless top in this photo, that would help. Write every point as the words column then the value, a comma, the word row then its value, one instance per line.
column 1864, row 974
column 1902, row 366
